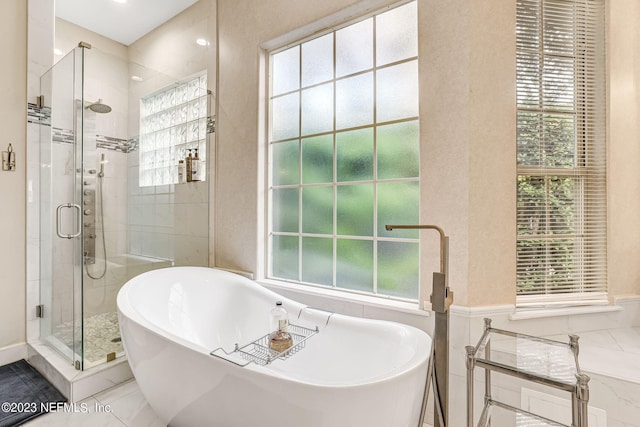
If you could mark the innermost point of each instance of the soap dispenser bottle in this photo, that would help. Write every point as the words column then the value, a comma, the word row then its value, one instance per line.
column 182, row 172
column 189, row 166
column 280, row 339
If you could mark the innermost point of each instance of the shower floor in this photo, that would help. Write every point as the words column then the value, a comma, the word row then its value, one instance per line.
column 101, row 337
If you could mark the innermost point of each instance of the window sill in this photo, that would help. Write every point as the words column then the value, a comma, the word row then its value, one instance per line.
column 562, row 311
column 336, row 295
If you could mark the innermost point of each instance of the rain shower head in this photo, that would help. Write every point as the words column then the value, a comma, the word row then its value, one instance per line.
column 99, row 107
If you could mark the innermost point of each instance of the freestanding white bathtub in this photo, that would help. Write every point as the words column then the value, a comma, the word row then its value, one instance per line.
column 353, row 373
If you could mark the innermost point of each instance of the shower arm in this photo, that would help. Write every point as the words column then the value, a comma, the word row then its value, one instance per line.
column 441, row 299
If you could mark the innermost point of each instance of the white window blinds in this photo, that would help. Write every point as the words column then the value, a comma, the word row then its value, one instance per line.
column 561, row 156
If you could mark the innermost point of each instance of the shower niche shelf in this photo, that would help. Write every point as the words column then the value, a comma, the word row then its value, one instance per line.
column 258, row 351
column 547, row 362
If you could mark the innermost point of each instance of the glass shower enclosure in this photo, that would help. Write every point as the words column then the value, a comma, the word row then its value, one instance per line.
column 79, row 281
column 73, row 254
column 61, row 178
column 110, row 205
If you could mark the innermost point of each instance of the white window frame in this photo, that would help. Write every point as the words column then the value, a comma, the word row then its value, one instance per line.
column 268, row 229
column 588, row 284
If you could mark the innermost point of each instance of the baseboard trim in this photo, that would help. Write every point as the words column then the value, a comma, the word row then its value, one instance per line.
column 13, row 353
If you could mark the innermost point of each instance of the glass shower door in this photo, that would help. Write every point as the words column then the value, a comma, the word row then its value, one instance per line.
column 61, row 209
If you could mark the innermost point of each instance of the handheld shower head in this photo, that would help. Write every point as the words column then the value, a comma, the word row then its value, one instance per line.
column 99, row 107
column 101, row 173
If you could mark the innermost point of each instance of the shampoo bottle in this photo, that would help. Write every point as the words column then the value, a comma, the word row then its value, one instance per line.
column 195, row 167
column 188, row 161
column 182, row 172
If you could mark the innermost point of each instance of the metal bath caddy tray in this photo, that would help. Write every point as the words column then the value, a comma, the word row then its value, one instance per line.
column 258, row 351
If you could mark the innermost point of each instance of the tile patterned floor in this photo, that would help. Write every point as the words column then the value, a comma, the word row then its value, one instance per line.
column 128, row 407
column 102, row 337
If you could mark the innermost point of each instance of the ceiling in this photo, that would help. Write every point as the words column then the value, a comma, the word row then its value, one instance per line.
column 124, row 23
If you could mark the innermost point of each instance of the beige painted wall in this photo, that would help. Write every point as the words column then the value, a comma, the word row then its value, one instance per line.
column 468, row 128
column 624, row 147
column 13, row 107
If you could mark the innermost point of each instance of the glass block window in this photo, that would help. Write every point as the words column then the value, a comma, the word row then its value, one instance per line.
column 344, row 157
column 172, row 121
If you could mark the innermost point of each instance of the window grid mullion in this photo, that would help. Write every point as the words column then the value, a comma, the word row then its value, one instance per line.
column 335, row 171
column 300, row 188
column 375, row 160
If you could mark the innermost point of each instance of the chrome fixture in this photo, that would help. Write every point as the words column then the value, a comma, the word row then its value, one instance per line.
column 99, row 107
column 78, row 228
column 441, row 299
column 91, row 194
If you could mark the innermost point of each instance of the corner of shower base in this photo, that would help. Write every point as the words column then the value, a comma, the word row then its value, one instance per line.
column 73, row 384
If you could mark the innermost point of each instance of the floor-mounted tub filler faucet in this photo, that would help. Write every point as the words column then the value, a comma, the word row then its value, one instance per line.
column 441, row 299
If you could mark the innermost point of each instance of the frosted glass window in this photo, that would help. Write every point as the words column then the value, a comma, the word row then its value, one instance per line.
column 354, row 48
column 355, row 210
column 286, row 70
column 398, row 203
column 317, row 109
column 285, row 162
column 354, row 269
column 354, row 155
column 397, row 91
column 397, row 34
column 317, row 260
column 345, row 157
column 354, row 101
column 285, row 211
column 398, row 268
column 172, row 122
column 317, row 210
column 317, row 60
column 398, row 153
column 286, row 117
column 284, row 257
column 317, row 159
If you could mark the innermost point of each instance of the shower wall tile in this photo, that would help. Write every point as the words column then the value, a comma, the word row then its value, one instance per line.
column 116, row 242
column 133, row 189
column 191, row 250
column 192, row 219
column 192, row 193
column 165, row 215
column 40, row 42
column 135, row 242
column 33, row 266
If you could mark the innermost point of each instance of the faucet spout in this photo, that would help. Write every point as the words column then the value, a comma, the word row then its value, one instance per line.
column 444, row 246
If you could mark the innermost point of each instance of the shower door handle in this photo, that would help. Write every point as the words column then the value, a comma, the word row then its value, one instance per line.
column 78, row 210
